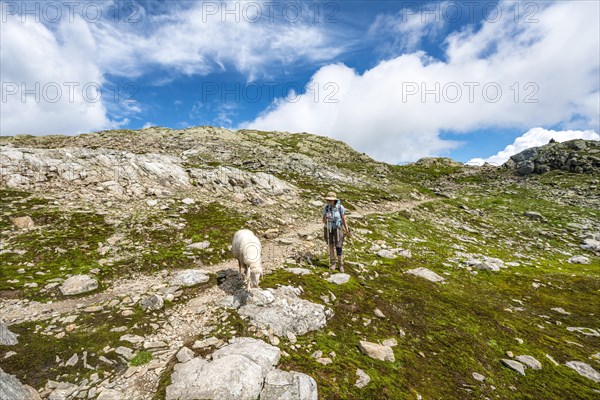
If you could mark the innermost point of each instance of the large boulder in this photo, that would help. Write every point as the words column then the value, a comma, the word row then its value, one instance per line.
column 78, row 284
column 283, row 311
column 12, row 389
column 245, row 369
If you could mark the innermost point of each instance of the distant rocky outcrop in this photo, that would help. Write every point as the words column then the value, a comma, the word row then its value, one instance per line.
column 581, row 156
column 438, row 162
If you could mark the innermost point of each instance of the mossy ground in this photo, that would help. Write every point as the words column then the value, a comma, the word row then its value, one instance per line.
column 445, row 332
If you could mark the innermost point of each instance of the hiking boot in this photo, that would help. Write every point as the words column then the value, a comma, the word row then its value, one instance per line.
column 332, row 265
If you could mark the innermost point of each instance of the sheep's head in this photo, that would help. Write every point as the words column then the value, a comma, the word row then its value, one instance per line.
column 256, row 272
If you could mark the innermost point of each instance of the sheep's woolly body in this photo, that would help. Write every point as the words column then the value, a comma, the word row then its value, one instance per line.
column 246, row 248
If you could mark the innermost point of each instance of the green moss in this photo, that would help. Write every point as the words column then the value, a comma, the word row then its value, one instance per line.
column 141, row 358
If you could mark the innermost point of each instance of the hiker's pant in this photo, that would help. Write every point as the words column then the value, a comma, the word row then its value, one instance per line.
column 334, row 237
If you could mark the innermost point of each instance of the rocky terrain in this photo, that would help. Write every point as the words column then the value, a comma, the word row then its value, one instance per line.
column 116, row 280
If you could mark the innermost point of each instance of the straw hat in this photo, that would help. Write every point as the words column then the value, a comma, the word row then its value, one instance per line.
column 331, row 196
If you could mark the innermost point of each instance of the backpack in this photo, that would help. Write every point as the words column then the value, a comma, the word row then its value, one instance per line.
column 334, row 215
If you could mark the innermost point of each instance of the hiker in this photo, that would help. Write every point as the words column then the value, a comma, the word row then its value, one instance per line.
column 334, row 218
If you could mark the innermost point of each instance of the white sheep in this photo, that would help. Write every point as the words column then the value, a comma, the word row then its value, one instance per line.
column 247, row 249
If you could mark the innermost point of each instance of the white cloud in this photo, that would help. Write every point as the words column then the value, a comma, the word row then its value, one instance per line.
column 550, row 65
column 533, row 138
column 190, row 39
column 406, row 30
column 54, row 67
column 179, row 39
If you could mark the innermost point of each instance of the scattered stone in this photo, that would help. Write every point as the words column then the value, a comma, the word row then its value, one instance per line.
column 298, row 271
column 390, row 342
column 72, row 361
column 514, row 365
column 339, row 279
column 579, row 260
column 152, row 302
column 199, row 245
column 590, row 244
column 63, row 391
column 377, row 351
column 519, row 340
column 190, row 277
column 384, row 253
column 134, row 339
column 324, row 360
column 211, row 341
column 363, row 379
column 283, row 385
column 560, row 311
column 111, row 394
column 7, row 338
column 23, row 222
column 184, row 355
column 549, row 357
column 486, row 264
column 426, row 274
column 379, row 314
column 188, row 201
column 126, row 352
column 78, row 284
column 529, row 361
column 157, row 344
column 584, row 370
column 584, row 331
column 534, row 215
column 478, row 377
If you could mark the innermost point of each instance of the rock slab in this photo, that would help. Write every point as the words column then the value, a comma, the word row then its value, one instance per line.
column 426, row 274
column 377, row 351
column 78, row 284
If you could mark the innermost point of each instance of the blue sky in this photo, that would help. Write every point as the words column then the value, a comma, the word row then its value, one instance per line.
column 398, row 80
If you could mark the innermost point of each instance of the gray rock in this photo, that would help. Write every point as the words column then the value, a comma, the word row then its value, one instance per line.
column 78, row 284
column 561, row 311
column 152, row 302
column 384, row 253
column 487, row 264
column 534, row 215
column 125, row 352
column 298, row 271
column 339, row 279
column 529, row 361
column 184, row 355
column 63, row 391
column 377, row 351
column 584, row 370
column 23, row 222
column 514, row 365
column 283, row 385
column 426, row 274
column 12, row 389
column 7, row 338
column 230, row 377
column 579, row 260
column 190, row 277
column 590, row 244
column 72, row 361
column 363, row 379
column 199, row 245
column 259, row 352
column 285, row 313
column 111, row 394
column 478, row 377
column 583, row 331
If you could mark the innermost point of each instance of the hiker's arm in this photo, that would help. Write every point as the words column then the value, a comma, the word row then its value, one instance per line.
column 345, row 223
